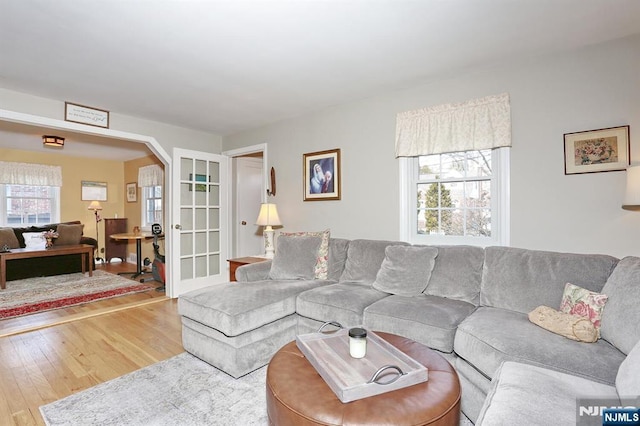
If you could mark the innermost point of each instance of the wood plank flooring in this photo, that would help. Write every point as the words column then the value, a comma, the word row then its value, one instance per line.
column 82, row 350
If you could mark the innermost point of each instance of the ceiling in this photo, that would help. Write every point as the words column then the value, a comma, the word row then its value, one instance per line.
column 223, row 66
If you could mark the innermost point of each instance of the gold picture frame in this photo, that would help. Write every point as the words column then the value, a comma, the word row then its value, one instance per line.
column 321, row 175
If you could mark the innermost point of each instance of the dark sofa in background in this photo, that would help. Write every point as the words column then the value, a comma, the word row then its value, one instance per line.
column 46, row 266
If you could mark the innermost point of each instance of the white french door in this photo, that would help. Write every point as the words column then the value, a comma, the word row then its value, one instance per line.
column 200, row 220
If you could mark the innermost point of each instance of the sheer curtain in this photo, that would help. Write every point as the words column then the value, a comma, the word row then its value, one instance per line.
column 483, row 123
column 152, row 175
column 30, row 174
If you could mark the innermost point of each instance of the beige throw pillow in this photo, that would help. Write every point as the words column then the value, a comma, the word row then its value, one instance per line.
column 69, row 234
column 573, row 327
column 8, row 238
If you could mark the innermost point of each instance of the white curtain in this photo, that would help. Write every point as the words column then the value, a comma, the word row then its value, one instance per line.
column 483, row 123
column 150, row 176
column 30, row 174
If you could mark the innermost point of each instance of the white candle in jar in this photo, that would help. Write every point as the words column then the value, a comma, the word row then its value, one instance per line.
column 357, row 342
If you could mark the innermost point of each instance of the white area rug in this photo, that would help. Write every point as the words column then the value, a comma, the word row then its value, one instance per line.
column 182, row 390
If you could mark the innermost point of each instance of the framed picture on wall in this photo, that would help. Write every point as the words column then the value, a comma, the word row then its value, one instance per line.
column 321, row 175
column 592, row 151
column 132, row 192
column 93, row 191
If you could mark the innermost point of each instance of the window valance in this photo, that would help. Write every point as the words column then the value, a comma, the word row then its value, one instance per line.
column 152, row 175
column 483, row 123
column 30, row 174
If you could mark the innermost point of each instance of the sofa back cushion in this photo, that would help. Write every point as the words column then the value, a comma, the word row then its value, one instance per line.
column 405, row 270
column 295, row 258
column 8, row 238
column 364, row 258
column 520, row 279
column 621, row 314
column 337, row 257
column 457, row 273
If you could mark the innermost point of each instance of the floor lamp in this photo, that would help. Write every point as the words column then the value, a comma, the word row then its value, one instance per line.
column 96, row 207
column 268, row 217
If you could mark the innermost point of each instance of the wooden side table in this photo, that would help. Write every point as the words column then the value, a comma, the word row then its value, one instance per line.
column 239, row 261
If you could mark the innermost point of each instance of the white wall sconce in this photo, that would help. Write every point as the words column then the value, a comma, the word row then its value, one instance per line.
column 632, row 194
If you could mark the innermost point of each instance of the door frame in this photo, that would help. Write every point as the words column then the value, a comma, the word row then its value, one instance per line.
column 239, row 152
column 149, row 141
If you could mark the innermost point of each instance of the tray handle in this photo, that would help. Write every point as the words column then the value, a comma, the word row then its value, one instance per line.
column 381, row 370
column 333, row 323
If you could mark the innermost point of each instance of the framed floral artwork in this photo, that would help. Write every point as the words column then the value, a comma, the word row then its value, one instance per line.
column 321, row 175
column 592, row 151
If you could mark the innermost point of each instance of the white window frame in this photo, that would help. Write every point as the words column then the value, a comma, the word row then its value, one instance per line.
column 143, row 220
column 500, row 205
column 55, row 207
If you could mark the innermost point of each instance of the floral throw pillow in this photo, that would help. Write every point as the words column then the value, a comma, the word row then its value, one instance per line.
column 582, row 302
column 321, row 270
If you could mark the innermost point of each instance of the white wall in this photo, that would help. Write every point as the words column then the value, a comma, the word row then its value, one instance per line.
column 590, row 88
column 167, row 135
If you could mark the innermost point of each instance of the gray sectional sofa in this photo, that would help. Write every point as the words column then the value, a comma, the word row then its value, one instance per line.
column 472, row 307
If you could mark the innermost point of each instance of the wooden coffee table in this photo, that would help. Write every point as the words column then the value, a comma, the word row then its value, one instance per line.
column 297, row 395
column 85, row 250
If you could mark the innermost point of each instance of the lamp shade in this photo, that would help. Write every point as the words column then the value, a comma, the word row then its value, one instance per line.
column 95, row 205
column 632, row 194
column 268, row 215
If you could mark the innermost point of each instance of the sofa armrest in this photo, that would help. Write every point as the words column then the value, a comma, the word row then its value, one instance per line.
column 89, row 240
column 254, row 271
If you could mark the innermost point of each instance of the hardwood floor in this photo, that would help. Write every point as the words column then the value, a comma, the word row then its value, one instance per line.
column 88, row 345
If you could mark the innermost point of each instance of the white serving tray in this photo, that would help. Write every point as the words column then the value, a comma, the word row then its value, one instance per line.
column 350, row 378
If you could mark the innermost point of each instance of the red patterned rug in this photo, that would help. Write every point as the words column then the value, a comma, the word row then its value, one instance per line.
column 22, row 297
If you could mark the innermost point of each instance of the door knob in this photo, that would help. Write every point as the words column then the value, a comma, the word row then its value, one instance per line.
column 178, row 226
column 244, row 222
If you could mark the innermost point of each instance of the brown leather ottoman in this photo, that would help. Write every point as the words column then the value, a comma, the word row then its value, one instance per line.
column 298, row 395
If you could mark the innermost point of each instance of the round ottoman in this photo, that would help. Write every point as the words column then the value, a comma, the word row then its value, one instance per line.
column 298, row 395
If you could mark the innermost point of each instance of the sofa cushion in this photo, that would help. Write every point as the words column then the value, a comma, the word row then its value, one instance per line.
column 69, row 234
column 510, row 273
column 295, row 258
column 342, row 302
column 321, row 267
column 234, row 309
column 405, row 270
column 628, row 379
column 338, row 248
column 430, row 320
column 457, row 273
column 523, row 394
column 490, row 336
column 8, row 238
column 621, row 314
column 364, row 258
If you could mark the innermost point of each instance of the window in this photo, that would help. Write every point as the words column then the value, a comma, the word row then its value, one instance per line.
column 26, row 205
column 152, row 205
column 456, row 198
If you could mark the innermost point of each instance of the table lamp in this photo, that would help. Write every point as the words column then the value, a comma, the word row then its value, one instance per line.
column 96, row 207
column 268, row 217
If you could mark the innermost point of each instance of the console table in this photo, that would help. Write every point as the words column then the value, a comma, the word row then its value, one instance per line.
column 84, row 250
